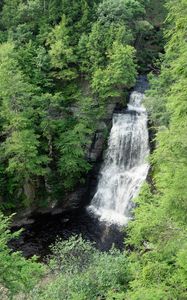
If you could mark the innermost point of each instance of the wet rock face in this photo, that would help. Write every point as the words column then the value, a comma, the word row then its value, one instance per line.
column 83, row 194
column 97, row 147
column 95, row 152
column 152, row 135
column 98, row 143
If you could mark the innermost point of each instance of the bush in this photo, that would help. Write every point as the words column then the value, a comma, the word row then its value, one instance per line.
column 83, row 272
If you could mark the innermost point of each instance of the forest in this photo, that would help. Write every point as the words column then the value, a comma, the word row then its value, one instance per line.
column 61, row 64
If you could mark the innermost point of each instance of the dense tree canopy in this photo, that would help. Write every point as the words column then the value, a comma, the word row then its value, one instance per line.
column 50, row 50
column 159, row 230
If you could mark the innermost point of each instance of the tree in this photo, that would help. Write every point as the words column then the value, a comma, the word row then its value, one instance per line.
column 19, row 17
column 54, row 76
column 158, row 231
column 20, row 143
column 34, row 62
column 110, row 81
column 72, row 163
column 61, row 53
column 24, row 160
column 17, row 274
column 100, row 40
column 119, row 11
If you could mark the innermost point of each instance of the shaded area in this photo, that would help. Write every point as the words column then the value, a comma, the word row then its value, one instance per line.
column 37, row 237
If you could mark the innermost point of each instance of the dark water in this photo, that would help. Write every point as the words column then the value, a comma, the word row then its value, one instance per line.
column 37, row 237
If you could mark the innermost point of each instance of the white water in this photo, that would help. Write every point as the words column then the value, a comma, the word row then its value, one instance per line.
column 125, row 167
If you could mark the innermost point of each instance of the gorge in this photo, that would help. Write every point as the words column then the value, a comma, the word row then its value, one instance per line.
column 124, row 169
column 92, row 172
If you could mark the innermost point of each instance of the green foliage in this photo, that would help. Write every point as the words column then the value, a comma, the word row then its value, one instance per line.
column 72, row 163
column 21, row 18
column 100, row 41
column 61, row 53
column 20, row 147
column 85, row 273
column 149, row 34
column 59, row 60
column 121, row 10
column 108, row 82
column 71, row 256
column 155, row 101
column 24, row 159
column 16, row 273
column 158, row 232
column 35, row 63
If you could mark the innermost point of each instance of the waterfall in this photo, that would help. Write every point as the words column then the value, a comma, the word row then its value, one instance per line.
column 125, row 166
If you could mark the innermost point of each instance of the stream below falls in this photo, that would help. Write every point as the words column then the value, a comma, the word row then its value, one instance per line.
column 124, row 169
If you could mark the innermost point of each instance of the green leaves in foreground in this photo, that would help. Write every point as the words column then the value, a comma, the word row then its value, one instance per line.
column 84, row 273
column 17, row 275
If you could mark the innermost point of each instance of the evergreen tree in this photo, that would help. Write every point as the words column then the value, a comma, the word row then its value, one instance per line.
column 110, row 81
column 61, row 53
column 19, row 150
column 62, row 58
column 158, row 232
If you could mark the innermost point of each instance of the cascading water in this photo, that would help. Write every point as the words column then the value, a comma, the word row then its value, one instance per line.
column 122, row 174
column 125, row 167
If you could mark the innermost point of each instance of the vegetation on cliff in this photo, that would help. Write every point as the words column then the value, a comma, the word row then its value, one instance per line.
column 42, row 60
column 49, row 52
